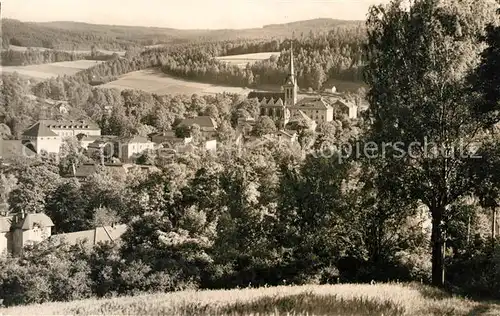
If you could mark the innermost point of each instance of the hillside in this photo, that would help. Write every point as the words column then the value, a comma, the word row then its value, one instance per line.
column 343, row 299
column 76, row 35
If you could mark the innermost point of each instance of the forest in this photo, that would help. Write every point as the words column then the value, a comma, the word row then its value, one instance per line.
column 273, row 212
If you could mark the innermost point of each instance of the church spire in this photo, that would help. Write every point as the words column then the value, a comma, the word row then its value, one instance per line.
column 291, row 70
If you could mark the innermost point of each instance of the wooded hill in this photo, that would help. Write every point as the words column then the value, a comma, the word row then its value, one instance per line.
column 76, row 35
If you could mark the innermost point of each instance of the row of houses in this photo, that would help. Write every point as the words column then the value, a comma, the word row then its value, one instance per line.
column 48, row 136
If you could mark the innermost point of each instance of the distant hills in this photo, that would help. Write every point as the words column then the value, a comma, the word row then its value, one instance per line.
column 77, row 35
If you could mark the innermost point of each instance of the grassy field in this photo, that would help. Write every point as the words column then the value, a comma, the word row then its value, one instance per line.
column 242, row 60
column 342, row 299
column 46, row 71
column 155, row 81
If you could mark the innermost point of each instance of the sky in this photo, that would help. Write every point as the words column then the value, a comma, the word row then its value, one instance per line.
column 185, row 14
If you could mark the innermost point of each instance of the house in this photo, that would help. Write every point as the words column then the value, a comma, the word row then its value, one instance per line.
column 72, row 127
column 170, row 138
column 47, row 135
column 300, row 121
column 128, row 149
column 40, row 138
column 207, row 125
column 20, row 230
column 287, row 135
column 315, row 108
column 348, row 109
column 86, row 140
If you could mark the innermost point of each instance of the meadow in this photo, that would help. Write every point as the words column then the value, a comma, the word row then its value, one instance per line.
column 242, row 60
column 155, row 81
column 339, row 299
column 46, row 71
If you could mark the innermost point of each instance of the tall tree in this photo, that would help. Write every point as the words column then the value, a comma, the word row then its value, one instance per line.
column 418, row 59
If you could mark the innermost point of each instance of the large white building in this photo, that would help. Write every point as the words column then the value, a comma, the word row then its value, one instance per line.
column 47, row 135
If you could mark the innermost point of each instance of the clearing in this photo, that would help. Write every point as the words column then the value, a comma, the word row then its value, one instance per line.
column 340, row 299
column 46, row 71
column 242, row 60
column 155, row 81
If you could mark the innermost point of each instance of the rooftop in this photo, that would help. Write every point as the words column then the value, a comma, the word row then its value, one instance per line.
column 32, row 219
column 205, row 122
column 14, row 148
column 313, row 102
column 39, row 129
column 93, row 236
column 71, row 124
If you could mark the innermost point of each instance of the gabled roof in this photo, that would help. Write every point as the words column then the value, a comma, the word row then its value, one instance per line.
column 345, row 103
column 14, row 148
column 32, row 219
column 288, row 133
column 261, row 95
column 301, row 115
column 93, row 236
column 87, row 169
column 5, row 224
column 314, row 103
column 39, row 129
column 135, row 139
column 205, row 122
column 71, row 124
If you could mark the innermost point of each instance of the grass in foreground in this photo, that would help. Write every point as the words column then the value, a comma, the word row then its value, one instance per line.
column 342, row 299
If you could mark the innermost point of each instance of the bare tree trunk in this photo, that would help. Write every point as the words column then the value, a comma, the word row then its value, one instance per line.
column 437, row 247
column 493, row 225
column 468, row 231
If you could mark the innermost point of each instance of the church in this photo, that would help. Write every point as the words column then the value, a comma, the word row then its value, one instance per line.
column 284, row 107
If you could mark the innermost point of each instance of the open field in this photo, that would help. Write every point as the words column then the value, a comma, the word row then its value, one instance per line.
column 340, row 299
column 46, row 71
column 242, row 60
column 155, row 81
column 103, row 51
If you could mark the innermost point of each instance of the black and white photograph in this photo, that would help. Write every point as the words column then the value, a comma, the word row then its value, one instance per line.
column 250, row 157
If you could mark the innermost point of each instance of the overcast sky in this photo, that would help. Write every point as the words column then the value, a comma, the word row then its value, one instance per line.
column 185, row 14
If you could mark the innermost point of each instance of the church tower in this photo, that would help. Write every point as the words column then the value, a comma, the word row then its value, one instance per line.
column 290, row 87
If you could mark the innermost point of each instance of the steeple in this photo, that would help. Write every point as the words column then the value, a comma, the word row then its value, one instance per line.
column 290, row 87
column 291, row 70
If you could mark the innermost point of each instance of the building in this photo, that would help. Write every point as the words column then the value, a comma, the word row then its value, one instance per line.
column 72, row 128
column 20, row 230
column 316, row 108
column 208, row 126
column 47, row 135
column 128, row 149
column 346, row 108
column 86, row 140
column 23, row 229
column 40, row 138
column 283, row 106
